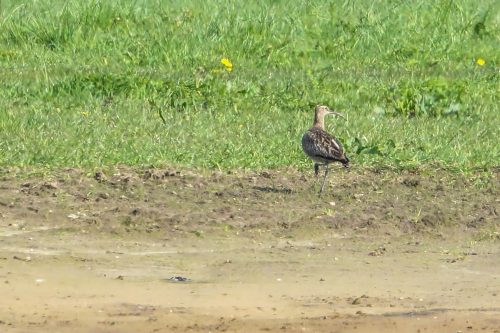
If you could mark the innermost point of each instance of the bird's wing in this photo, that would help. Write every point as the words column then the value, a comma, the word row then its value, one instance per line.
column 326, row 146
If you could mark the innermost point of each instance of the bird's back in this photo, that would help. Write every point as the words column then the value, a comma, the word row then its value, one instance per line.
column 322, row 147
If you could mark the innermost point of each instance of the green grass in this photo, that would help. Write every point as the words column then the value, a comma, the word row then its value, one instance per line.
column 83, row 83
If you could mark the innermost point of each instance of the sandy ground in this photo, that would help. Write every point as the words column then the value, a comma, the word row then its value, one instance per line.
column 379, row 252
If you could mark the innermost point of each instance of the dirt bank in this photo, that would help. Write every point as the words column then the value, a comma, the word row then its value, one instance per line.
column 379, row 252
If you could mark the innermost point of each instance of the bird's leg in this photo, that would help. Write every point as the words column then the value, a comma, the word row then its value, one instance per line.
column 316, row 173
column 324, row 179
column 316, row 169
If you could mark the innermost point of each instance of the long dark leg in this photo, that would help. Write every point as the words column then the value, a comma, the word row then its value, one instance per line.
column 316, row 169
column 316, row 173
column 324, row 180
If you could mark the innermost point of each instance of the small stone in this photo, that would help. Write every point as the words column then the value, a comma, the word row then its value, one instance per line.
column 49, row 186
column 22, row 259
column 179, row 279
column 356, row 301
column 265, row 174
column 99, row 176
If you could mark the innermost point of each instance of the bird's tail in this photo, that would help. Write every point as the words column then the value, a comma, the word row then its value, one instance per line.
column 345, row 162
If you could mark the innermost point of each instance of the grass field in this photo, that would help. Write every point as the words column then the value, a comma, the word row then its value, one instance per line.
column 86, row 83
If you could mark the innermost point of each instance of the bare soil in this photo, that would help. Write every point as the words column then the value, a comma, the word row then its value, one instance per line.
column 380, row 251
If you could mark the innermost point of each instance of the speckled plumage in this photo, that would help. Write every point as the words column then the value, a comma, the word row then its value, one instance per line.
column 322, row 147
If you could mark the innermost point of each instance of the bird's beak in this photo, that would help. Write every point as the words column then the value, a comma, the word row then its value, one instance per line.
column 336, row 113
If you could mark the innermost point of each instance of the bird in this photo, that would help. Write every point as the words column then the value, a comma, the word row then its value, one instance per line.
column 322, row 147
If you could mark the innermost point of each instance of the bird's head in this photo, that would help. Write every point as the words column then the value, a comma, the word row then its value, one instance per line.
column 323, row 110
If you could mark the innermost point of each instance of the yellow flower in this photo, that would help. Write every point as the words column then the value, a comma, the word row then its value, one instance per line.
column 85, row 114
column 480, row 61
column 227, row 63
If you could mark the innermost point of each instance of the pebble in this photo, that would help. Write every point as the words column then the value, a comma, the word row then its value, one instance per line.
column 179, row 279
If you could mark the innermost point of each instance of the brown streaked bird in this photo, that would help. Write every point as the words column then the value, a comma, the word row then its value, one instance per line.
column 322, row 147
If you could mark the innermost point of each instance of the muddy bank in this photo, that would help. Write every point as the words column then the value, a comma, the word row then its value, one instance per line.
column 164, row 201
column 164, row 250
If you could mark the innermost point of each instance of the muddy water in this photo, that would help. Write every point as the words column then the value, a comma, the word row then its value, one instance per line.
column 260, row 251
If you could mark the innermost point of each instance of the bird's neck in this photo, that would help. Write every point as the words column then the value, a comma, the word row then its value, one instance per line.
column 319, row 122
